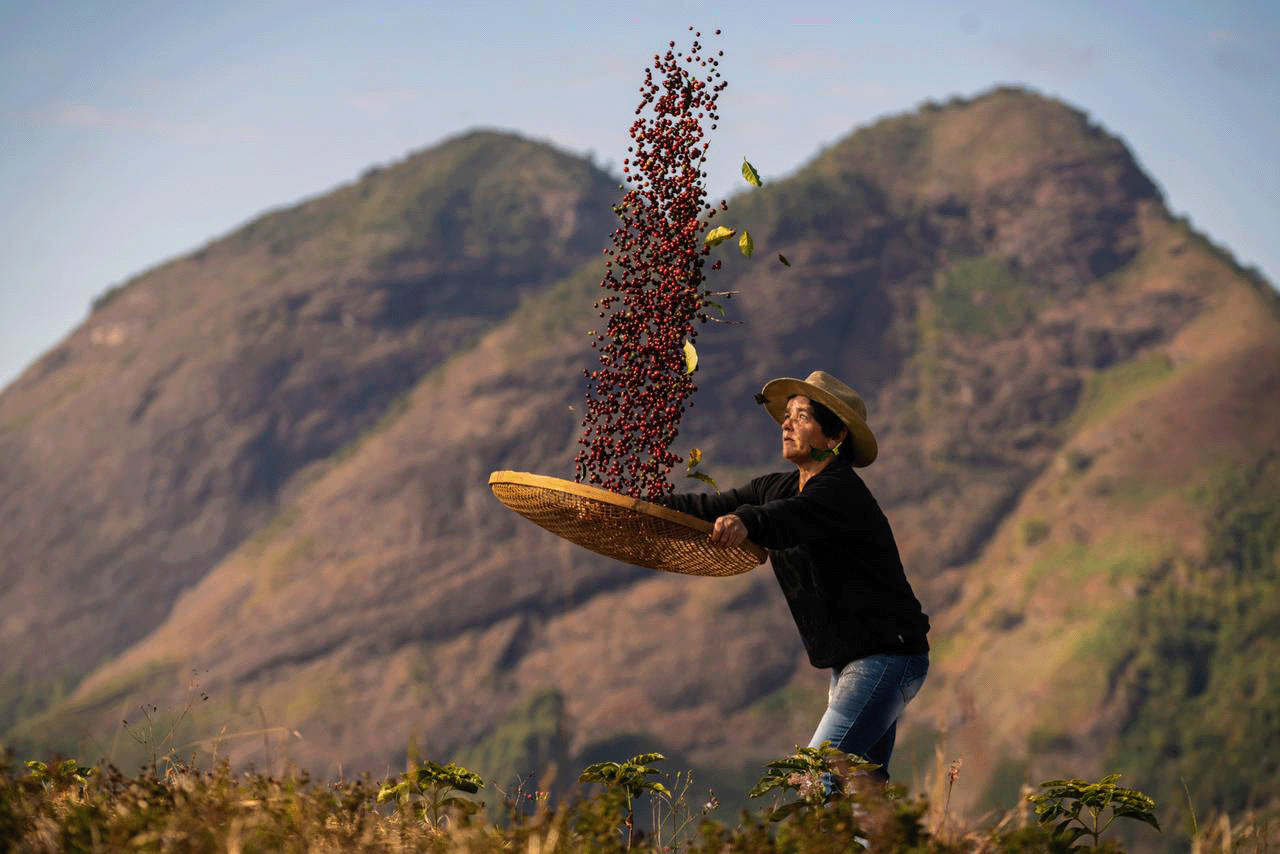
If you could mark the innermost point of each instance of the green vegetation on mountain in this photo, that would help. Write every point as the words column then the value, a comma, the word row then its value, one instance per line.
column 1199, row 661
column 981, row 297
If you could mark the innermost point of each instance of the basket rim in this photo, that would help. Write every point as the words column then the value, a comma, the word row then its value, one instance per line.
column 595, row 493
column 521, row 478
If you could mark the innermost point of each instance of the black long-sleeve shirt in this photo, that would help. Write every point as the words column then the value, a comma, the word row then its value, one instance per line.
column 835, row 558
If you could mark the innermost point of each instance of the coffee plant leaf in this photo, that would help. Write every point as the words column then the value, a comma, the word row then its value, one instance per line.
column 705, row 478
column 449, row 776
column 1144, row 817
column 600, row 772
column 462, row 805
column 393, row 790
column 1129, row 803
column 749, row 172
column 718, row 235
column 767, row 784
column 781, row 812
column 1071, row 836
column 690, row 358
column 647, row 758
column 695, row 458
column 745, row 244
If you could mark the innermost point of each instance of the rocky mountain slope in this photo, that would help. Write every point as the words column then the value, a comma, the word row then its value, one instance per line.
column 1075, row 396
column 167, row 428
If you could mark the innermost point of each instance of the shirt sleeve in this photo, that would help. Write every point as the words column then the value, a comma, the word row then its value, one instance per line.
column 711, row 507
column 826, row 508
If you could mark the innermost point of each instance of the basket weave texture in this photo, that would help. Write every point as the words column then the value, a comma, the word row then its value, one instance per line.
column 623, row 528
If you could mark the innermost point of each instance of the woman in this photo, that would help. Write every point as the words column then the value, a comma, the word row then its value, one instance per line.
column 836, row 560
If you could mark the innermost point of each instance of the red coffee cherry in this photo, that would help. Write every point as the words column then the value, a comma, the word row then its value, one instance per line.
column 636, row 397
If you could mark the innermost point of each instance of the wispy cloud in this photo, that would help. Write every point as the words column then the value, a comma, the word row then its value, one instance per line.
column 803, row 61
column 757, row 101
column 866, row 90
column 381, row 102
column 1051, row 54
column 616, row 67
column 1238, row 54
column 98, row 118
column 600, row 74
column 93, row 117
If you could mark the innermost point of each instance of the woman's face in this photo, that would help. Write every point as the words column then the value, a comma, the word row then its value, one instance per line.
column 800, row 431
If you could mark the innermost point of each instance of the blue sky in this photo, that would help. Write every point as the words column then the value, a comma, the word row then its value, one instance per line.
column 134, row 131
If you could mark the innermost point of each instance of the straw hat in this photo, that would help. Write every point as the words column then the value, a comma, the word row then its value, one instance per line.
column 820, row 386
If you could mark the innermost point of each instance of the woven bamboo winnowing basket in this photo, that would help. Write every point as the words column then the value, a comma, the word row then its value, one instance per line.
column 618, row 526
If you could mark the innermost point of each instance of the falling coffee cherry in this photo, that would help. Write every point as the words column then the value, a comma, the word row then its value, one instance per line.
column 654, row 277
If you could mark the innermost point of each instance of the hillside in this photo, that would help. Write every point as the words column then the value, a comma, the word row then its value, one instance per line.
column 1075, row 399
column 170, row 426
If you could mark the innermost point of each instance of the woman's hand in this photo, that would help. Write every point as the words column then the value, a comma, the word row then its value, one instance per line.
column 729, row 531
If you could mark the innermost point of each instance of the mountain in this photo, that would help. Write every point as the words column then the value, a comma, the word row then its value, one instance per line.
column 167, row 429
column 280, row 501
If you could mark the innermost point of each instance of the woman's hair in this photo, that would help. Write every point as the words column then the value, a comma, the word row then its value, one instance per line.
column 828, row 422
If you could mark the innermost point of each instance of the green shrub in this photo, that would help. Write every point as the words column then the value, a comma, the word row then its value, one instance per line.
column 1079, row 810
column 1034, row 532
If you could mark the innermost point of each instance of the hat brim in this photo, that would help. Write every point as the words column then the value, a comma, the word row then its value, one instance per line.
column 777, row 392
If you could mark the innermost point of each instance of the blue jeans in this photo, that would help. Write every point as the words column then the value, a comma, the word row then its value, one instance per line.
column 867, row 695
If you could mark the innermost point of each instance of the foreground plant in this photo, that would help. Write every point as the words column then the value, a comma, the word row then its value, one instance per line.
column 434, row 785
column 1078, row 808
column 629, row 779
column 816, row 775
column 64, row 806
column 58, row 776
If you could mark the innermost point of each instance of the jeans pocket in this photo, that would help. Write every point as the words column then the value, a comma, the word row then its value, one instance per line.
column 913, row 677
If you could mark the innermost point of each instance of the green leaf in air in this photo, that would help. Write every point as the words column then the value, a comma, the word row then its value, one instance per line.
column 745, row 244
column 783, row 259
column 719, row 235
column 690, row 358
column 749, row 172
column 695, row 458
column 705, row 478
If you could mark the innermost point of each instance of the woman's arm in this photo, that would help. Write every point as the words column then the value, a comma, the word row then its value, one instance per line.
column 711, row 507
column 827, row 507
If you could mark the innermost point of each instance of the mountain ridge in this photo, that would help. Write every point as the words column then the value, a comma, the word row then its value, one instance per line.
column 1011, row 328
column 302, row 350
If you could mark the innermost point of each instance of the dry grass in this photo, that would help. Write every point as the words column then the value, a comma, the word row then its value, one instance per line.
column 173, row 806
